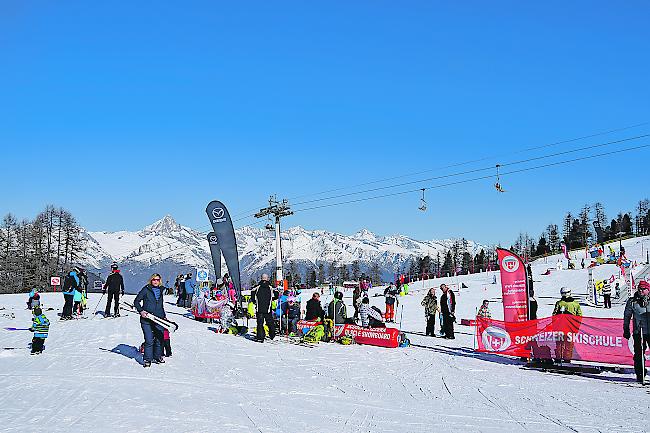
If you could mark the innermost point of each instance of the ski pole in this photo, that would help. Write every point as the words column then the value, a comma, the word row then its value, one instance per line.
column 642, row 359
column 100, row 300
column 401, row 314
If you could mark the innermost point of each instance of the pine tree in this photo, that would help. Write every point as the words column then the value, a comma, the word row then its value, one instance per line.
column 375, row 274
column 553, row 238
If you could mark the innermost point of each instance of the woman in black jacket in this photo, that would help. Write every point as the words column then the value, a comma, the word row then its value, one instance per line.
column 150, row 301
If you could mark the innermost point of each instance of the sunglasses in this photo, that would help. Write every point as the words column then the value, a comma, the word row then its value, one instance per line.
column 155, row 279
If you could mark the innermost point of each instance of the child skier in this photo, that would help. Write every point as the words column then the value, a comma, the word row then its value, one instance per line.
column 484, row 311
column 167, row 344
column 40, row 327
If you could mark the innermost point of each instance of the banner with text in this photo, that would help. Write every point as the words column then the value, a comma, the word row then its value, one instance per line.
column 563, row 337
column 222, row 227
column 513, row 286
column 384, row 337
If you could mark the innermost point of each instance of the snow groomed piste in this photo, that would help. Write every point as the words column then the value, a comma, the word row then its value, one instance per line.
column 90, row 372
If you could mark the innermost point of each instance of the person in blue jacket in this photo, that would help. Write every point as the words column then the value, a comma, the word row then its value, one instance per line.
column 40, row 328
column 150, row 301
column 189, row 290
column 290, row 315
column 70, row 285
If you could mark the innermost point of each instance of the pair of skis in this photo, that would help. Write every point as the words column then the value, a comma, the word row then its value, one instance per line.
column 167, row 324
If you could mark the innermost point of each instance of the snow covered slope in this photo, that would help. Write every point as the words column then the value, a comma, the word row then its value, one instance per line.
column 89, row 379
column 169, row 248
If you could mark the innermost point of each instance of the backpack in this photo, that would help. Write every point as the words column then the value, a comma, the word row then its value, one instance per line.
column 315, row 334
column 403, row 340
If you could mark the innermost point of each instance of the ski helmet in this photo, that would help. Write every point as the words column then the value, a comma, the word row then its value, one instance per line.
column 338, row 295
column 643, row 285
column 114, row 266
column 265, row 277
column 565, row 291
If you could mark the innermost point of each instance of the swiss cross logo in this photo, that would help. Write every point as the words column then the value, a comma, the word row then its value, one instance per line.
column 510, row 264
column 495, row 339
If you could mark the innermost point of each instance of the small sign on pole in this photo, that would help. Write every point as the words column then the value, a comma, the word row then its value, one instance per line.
column 201, row 275
column 98, row 285
column 55, row 282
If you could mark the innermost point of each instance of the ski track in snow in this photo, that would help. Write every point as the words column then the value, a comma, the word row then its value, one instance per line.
column 218, row 382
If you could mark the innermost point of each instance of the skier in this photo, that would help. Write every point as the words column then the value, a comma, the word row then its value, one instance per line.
column 167, row 344
column 77, row 297
column 607, row 294
column 30, row 301
column 150, row 301
column 115, row 286
column 448, row 309
column 70, row 284
column 181, row 291
column 356, row 301
column 263, row 297
column 40, row 327
column 337, row 311
column 430, row 304
column 391, row 293
column 190, row 285
column 370, row 316
column 566, row 305
column 290, row 316
column 638, row 308
column 484, row 311
column 314, row 308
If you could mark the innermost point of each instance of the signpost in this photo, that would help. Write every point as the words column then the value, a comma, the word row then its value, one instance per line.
column 55, row 282
column 201, row 275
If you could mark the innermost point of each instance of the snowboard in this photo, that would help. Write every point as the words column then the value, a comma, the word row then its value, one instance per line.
column 167, row 324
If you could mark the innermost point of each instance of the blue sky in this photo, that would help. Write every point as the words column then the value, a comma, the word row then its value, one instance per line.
column 127, row 111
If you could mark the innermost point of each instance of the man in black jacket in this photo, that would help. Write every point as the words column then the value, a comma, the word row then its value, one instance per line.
column 115, row 285
column 314, row 309
column 448, row 309
column 263, row 297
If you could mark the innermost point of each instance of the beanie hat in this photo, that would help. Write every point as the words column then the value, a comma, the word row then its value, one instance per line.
column 37, row 311
column 643, row 285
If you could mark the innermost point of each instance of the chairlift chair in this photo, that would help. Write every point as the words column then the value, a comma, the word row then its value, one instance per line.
column 423, row 203
column 497, row 184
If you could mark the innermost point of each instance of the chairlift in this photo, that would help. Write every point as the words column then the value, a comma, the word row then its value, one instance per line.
column 423, row 202
column 497, row 184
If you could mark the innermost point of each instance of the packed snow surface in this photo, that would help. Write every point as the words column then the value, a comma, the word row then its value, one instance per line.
column 90, row 379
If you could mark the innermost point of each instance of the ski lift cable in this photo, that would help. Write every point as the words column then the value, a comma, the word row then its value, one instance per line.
column 251, row 215
column 557, row 143
column 462, row 181
column 476, row 170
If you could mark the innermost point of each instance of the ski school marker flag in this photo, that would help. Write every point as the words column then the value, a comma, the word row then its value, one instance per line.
column 513, row 286
column 562, row 336
column 222, row 225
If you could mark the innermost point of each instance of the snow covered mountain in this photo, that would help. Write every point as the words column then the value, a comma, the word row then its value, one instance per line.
column 168, row 248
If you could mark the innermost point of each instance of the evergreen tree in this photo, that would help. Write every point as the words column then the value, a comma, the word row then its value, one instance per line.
column 321, row 273
column 356, row 270
column 311, row 279
column 448, row 265
column 553, row 238
column 375, row 274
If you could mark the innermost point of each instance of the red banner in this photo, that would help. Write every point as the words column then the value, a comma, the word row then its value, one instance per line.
column 563, row 337
column 513, row 286
column 383, row 337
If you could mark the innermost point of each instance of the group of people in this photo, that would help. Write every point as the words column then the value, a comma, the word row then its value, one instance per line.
column 271, row 307
column 75, row 293
column 184, row 287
